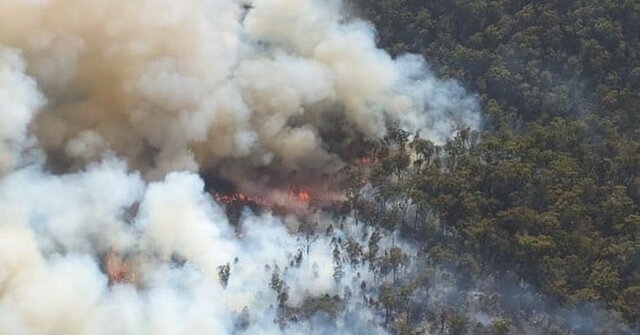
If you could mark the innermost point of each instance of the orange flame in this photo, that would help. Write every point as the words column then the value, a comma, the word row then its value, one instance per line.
column 293, row 196
column 303, row 196
column 117, row 270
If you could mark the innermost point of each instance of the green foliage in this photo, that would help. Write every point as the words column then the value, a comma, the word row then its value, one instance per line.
column 551, row 190
column 528, row 60
column 458, row 324
column 500, row 327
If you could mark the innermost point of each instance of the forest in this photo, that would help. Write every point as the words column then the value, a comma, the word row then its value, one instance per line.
column 547, row 193
column 347, row 167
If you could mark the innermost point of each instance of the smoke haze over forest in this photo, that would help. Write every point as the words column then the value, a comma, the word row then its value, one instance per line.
column 288, row 167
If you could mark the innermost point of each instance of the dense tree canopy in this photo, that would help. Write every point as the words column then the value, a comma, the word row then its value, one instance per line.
column 549, row 190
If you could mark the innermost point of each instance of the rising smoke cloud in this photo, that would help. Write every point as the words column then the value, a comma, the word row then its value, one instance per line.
column 184, row 84
column 50, row 249
column 108, row 109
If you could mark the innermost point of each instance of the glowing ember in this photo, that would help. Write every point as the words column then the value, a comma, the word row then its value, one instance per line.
column 303, row 196
column 293, row 197
column 366, row 160
column 117, row 270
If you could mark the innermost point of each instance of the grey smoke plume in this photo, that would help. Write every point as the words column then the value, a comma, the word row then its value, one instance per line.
column 19, row 102
column 57, row 228
column 184, row 84
column 125, row 100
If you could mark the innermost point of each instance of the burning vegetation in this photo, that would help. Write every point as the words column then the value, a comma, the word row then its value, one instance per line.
column 156, row 158
column 118, row 269
column 241, row 199
column 301, row 197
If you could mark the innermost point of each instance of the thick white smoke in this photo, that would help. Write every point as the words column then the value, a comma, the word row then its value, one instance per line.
column 124, row 100
column 19, row 102
column 58, row 227
column 181, row 84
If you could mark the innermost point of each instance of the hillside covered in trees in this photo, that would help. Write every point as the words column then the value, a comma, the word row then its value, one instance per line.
column 547, row 193
column 348, row 167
